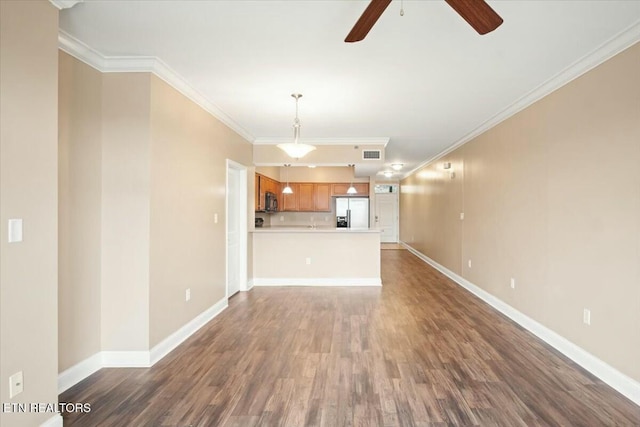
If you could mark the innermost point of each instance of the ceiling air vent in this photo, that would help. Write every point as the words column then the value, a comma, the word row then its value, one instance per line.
column 370, row 154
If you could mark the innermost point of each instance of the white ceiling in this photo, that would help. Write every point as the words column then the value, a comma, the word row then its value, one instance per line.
column 425, row 80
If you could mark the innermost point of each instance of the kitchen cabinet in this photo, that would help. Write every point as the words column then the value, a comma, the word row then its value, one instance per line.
column 306, row 197
column 264, row 185
column 289, row 202
column 322, row 197
column 257, row 194
column 341, row 189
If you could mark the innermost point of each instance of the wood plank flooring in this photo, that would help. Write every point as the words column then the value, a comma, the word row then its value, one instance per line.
column 420, row 351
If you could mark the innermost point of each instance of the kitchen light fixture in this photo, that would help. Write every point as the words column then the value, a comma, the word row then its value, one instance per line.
column 287, row 189
column 352, row 189
column 388, row 174
column 397, row 166
column 295, row 149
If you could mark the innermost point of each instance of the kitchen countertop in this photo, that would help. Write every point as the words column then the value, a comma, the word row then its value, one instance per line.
column 308, row 229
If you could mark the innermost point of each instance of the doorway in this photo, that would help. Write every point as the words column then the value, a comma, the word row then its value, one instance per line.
column 387, row 216
column 236, row 219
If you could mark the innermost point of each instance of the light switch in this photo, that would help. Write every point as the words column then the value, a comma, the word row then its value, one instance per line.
column 15, row 230
column 15, row 384
column 215, row 218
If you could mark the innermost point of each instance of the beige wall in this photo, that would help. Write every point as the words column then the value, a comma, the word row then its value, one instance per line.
column 272, row 172
column 142, row 174
column 80, row 204
column 323, row 154
column 551, row 198
column 28, row 190
column 126, row 145
column 319, row 174
column 188, row 179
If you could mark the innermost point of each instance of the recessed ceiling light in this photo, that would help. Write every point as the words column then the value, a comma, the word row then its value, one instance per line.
column 397, row 166
column 312, row 166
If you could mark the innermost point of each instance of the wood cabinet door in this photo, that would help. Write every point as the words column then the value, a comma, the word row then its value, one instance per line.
column 289, row 202
column 306, row 200
column 257, row 193
column 362, row 188
column 339, row 189
column 322, row 194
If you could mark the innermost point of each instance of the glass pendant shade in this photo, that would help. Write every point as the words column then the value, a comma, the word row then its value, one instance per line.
column 352, row 190
column 296, row 150
column 287, row 190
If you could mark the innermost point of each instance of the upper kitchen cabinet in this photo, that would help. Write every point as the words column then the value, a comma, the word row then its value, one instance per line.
column 362, row 189
column 264, row 185
column 289, row 202
column 322, row 196
column 306, row 197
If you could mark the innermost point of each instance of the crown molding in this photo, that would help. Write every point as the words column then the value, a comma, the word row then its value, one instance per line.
column 326, row 141
column 621, row 41
column 145, row 64
column 64, row 4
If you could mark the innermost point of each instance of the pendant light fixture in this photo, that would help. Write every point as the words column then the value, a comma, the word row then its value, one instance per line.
column 352, row 189
column 295, row 149
column 287, row 189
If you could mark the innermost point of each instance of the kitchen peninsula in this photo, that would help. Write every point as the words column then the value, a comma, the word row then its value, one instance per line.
column 316, row 256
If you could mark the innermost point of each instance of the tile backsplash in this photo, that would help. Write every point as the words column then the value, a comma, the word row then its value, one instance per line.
column 288, row 219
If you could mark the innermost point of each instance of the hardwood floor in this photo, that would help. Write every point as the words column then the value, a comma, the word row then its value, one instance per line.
column 420, row 351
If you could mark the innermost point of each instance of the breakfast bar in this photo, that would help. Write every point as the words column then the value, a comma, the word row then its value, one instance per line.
column 316, row 256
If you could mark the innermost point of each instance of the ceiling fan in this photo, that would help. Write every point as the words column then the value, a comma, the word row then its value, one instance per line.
column 477, row 13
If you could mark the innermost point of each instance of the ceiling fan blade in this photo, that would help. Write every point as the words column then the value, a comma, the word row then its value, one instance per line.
column 478, row 14
column 367, row 20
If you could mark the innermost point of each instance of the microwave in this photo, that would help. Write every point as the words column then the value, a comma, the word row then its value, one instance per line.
column 270, row 202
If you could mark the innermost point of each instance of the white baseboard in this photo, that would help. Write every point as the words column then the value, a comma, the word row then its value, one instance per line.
column 624, row 384
column 136, row 359
column 55, row 421
column 172, row 341
column 78, row 372
column 249, row 285
column 344, row 281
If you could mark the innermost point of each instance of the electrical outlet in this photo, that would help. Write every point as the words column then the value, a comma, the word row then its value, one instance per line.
column 281, row 217
column 469, row 263
column 16, row 384
column 461, row 215
column 586, row 316
column 513, row 283
column 308, row 261
column 187, row 294
column 15, row 230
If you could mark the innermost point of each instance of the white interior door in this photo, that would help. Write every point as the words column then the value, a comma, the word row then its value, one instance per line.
column 235, row 230
column 387, row 216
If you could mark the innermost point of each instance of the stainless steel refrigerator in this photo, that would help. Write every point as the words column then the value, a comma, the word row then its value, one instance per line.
column 352, row 212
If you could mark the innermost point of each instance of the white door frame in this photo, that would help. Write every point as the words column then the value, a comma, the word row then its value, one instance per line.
column 243, row 225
